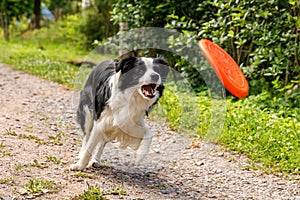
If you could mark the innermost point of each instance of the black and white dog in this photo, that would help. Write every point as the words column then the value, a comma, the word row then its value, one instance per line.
column 113, row 104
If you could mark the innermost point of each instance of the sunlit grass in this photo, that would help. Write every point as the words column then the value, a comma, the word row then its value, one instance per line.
column 47, row 62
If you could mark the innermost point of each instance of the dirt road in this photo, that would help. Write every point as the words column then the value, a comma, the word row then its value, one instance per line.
column 39, row 139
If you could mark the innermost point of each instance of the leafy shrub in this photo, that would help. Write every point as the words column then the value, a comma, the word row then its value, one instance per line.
column 63, row 32
column 95, row 22
column 262, row 36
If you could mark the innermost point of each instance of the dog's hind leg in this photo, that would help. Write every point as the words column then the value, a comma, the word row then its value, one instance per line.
column 87, row 150
column 86, row 118
column 96, row 160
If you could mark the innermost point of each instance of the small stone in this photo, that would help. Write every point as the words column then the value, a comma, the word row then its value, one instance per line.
column 221, row 154
column 199, row 163
column 156, row 150
column 281, row 183
column 23, row 191
column 213, row 196
column 53, row 128
column 10, row 198
column 30, row 197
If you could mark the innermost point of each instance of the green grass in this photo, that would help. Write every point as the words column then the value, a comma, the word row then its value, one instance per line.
column 12, row 133
column 95, row 193
column 91, row 193
column 265, row 136
column 39, row 165
column 269, row 137
column 41, row 186
column 184, row 112
column 82, row 175
column 6, row 180
column 53, row 159
column 48, row 63
column 56, row 139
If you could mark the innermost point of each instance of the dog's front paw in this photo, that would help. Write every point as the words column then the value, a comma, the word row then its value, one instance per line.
column 94, row 164
column 76, row 167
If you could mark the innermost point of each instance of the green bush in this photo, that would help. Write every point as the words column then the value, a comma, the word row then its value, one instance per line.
column 262, row 36
column 95, row 23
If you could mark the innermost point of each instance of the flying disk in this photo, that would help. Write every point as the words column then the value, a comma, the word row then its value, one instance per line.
column 225, row 68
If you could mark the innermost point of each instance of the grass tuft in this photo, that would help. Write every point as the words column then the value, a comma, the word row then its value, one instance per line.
column 53, row 159
column 95, row 193
column 6, row 180
column 91, row 193
column 41, row 186
column 82, row 175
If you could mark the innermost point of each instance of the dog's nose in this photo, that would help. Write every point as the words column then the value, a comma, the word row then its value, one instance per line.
column 154, row 77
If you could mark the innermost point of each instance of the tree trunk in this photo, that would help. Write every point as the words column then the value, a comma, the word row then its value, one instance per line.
column 37, row 14
column 123, row 26
column 6, row 33
column 4, row 20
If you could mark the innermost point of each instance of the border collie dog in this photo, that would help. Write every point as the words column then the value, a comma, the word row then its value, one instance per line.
column 113, row 104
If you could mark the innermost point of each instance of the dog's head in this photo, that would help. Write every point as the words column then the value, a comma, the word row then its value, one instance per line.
column 144, row 75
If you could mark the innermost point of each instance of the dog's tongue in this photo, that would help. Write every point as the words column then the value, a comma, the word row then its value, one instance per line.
column 148, row 90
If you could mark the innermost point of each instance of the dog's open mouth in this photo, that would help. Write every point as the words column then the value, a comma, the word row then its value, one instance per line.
column 149, row 90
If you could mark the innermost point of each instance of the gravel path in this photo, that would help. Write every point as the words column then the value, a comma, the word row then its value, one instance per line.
column 37, row 124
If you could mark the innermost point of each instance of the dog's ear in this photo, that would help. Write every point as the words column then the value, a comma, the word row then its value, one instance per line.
column 125, row 64
column 162, row 67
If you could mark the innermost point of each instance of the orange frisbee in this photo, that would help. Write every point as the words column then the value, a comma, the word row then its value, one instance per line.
column 225, row 68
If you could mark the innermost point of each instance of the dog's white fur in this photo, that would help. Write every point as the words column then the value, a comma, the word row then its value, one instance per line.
column 122, row 118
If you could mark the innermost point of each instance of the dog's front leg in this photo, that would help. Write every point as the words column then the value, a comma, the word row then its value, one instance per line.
column 144, row 147
column 87, row 150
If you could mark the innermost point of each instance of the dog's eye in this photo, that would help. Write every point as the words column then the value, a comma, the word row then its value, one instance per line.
column 161, row 69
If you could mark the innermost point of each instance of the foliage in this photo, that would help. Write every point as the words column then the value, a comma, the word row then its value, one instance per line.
column 95, row 23
column 53, row 5
column 136, row 13
column 262, row 36
column 70, row 29
column 84, row 28
column 16, row 8
column 10, row 9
